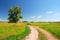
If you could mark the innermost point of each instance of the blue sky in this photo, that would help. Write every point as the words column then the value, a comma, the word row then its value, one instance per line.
column 33, row 10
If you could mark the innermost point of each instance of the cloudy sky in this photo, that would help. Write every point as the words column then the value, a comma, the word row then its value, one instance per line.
column 33, row 10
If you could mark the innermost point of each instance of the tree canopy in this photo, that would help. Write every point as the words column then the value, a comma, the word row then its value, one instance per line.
column 14, row 14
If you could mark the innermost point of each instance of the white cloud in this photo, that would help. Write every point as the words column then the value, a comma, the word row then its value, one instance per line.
column 38, row 17
column 33, row 17
column 0, row 19
column 49, row 12
column 3, row 20
column 56, row 14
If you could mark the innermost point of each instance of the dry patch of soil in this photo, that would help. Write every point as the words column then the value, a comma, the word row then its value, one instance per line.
column 33, row 35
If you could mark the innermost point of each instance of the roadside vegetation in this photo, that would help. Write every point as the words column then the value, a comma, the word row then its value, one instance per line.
column 13, row 31
column 53, row 27
column 41, row 36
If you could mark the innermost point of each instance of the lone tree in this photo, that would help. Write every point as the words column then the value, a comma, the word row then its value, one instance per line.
column 14, row 14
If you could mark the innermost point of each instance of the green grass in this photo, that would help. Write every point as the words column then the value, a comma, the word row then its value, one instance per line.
column 54, row 28
column 13, row 32
column 41, row 36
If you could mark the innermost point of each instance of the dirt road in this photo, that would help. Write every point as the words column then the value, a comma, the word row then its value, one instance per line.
column 33, row 35
column 48, row 35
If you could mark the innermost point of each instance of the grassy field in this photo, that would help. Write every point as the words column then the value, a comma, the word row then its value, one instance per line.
column 53, row 27
column 41, row 36
column 12, row 31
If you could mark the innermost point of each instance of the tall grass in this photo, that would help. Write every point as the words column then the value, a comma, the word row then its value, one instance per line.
column 12, row 31
column 54, row 28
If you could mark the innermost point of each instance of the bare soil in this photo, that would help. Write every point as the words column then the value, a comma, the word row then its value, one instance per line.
column 33, row 35
column 48, row 35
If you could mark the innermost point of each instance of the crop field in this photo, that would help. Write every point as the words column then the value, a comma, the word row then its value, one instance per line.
column 13, row 31
column 53, row 27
